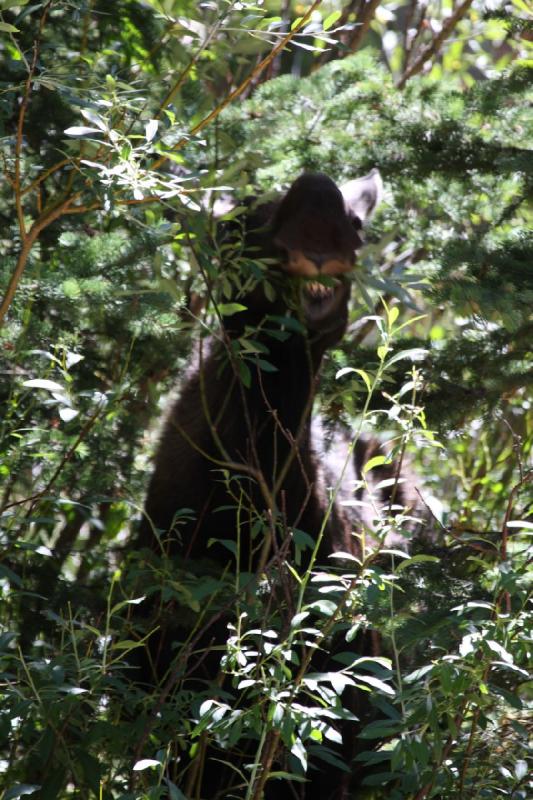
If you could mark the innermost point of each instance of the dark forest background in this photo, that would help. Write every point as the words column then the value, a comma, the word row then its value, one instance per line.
column 120, row 125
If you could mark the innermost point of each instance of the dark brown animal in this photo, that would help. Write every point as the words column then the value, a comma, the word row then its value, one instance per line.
column 261, row 431
column 236, row 449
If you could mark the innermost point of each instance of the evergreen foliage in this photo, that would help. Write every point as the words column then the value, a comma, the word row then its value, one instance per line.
column 113, row 295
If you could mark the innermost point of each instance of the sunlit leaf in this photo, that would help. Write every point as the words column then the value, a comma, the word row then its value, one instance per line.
column 145, row 763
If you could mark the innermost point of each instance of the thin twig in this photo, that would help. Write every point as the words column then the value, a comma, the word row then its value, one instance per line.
column 241, row 88
column 433, row 47
column 194, row 59
column 22, row 116
column 66, row 458
column 528, row 476
column 410, row 44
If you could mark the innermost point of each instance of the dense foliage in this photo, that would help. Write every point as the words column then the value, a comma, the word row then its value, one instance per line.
column 120, row 125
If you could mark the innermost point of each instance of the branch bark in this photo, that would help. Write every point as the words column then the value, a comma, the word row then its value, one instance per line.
column 21, row 118
column 27, row 243
column 362, row 22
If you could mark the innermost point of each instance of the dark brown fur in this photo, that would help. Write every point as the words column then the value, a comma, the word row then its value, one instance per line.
column 224, row 439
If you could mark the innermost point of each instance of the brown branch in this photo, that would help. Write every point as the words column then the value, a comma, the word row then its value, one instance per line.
column 363, row 21
column 409, row 45
column 271, row 745
column 461, row 715
column 45, row 175
column 433, row 47
column 458, row 721
column 243, row 86
column 328, row 53
column 22, row 116
column 27, row 243
column 505, row 530
column 29, row 239
column 194, row 59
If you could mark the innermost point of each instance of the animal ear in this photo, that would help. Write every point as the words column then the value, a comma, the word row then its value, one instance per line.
column 362, row 196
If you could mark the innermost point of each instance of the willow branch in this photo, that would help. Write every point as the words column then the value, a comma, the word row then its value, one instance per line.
column 244, row 85
column 185, row 72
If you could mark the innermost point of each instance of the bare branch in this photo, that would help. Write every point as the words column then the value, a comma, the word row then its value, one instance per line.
column 364, row 18
column 431, row 50
column 22, row 116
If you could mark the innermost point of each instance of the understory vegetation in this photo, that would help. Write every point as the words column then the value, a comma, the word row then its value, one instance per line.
column 124, row 127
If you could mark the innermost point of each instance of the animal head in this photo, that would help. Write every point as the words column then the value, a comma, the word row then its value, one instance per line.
column 317, row 230
column 317, row 225
column 312, row 233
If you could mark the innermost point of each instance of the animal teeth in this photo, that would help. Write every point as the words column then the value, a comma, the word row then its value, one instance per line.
column 319, row 290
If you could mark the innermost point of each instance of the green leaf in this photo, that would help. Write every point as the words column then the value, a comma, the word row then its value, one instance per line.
column 227, row 309
column 362, row 374
column 410, row 322
column 376, row 461
column 520, row 769
column 174, row 792
column 496, row 647
column 5, row 26
column 229, row 544
column 291, row 323
column 326, row 607
column 418, row 559
column 381, row 729
column 298, row 750
column 266, row 366
column 5, row 4
column 95, row 119
column 127, row 644
column 135, row 602
column 413, row 354
column 151, row 129
column 330, row 20
column 379, row 779
column 345, row 556
column 245, row 374
column 81, row 130
column 11, row 576
column 392, row 315
column 298, row 619
column 287, row 776
column 340, row 681
column 520, row 523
